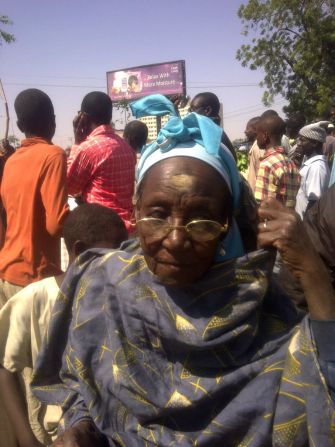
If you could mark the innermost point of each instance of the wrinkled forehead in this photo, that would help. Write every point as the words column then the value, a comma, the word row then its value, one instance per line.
column 184, row 174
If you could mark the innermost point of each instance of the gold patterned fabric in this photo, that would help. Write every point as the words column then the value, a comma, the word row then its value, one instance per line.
column 225, row 362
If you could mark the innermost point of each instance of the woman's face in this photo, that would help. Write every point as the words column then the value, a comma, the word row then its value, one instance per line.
column 179, row 190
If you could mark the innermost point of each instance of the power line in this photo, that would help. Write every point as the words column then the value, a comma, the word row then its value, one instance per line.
column 246, row 112
column 24, row 84
column 202, row 83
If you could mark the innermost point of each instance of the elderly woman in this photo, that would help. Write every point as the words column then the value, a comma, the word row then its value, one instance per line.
column 177, row 339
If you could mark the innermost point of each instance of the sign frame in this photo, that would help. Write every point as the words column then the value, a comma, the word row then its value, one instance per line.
column 139, row 67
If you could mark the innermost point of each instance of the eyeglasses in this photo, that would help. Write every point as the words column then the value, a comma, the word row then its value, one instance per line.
column 198, row 230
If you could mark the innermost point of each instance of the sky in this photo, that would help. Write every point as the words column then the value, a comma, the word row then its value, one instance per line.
column 65, row 48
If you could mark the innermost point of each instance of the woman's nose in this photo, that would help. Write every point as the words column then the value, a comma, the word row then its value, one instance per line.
column 177, row 239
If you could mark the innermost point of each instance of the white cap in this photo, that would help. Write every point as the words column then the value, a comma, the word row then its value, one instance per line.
column 315, row 131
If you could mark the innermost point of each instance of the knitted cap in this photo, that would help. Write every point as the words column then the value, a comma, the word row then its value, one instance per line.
column 315, row 131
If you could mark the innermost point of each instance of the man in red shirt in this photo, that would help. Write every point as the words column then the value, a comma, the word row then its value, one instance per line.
column 101, row 165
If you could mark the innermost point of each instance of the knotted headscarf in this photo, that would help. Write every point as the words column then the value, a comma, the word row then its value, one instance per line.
column 195, row 136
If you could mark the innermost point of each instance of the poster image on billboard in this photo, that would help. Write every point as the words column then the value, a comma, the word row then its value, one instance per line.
column 167, row 78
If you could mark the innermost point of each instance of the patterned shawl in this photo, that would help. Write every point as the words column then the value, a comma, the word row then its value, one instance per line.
column 226, row 362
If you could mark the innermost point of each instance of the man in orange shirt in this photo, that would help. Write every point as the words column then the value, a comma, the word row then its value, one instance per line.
column 34, row 195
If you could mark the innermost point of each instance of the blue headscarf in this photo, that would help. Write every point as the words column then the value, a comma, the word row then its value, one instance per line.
column 195, row 136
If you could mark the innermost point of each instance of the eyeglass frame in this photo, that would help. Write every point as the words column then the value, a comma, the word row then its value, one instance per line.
column 223, row 228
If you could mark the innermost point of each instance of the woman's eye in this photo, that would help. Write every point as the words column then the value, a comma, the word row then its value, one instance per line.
column 158, row 214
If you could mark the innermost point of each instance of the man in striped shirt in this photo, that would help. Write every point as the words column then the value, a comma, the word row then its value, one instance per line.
column 101, row 165
column 277, row 176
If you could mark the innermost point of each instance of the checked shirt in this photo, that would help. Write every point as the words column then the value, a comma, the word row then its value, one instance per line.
column 277, row 177
column 102, row 170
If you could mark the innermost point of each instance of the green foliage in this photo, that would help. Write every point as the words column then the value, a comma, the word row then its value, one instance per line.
column 4, row 36
column 124, row 111
column 122, row 104
column 293, row 41
column 242, row 161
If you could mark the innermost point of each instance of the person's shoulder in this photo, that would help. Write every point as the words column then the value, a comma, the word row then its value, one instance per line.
column 44, row 292
column 121, row 143
column 37, row 287
column 319, row 164
column 23, row 299
column 113, row 261
column 282, row 162
column 56, row 151
column 129, row 252
column 106, row 134
column 49, row 151
column 261, row 261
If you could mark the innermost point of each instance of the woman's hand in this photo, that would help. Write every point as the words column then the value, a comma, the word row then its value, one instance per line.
column 282, row 228
column 83, row 434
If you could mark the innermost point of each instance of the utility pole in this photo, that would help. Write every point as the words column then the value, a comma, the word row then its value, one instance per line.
column 3, row 96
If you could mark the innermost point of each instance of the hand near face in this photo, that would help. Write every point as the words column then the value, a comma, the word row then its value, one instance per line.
column 297, row 157
column 81, row 127
column 282, row 228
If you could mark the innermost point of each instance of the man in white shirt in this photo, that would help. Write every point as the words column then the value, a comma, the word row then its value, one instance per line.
column 24, row 321
column 314, row 171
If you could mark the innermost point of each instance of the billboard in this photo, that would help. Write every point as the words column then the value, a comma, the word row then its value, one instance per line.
column 167, row 78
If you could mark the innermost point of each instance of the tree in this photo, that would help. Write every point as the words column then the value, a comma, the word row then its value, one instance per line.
column 122, row 106
column 294, row 43
column 4, row 36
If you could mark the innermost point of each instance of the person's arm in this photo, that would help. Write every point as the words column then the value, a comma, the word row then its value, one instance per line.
column 15, row 354
column 229, row 145
column 320, row 226
column 54, row 193
column 80, row 169
column 316, row 183
column 282, row 228
column 324, row 335
column 13, row 400
column 252, row 168
column 262, row 183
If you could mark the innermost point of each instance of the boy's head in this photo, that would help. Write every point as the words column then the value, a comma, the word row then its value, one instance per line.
column 251, row 129
column 136, row 134
column 311, row 138
column 207, row 104
column 293, row 124
column 98, row 107
column 92, row 226
column 270, row 130
column 35, row 114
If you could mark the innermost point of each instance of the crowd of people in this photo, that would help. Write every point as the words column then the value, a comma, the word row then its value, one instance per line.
column 174, row 322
